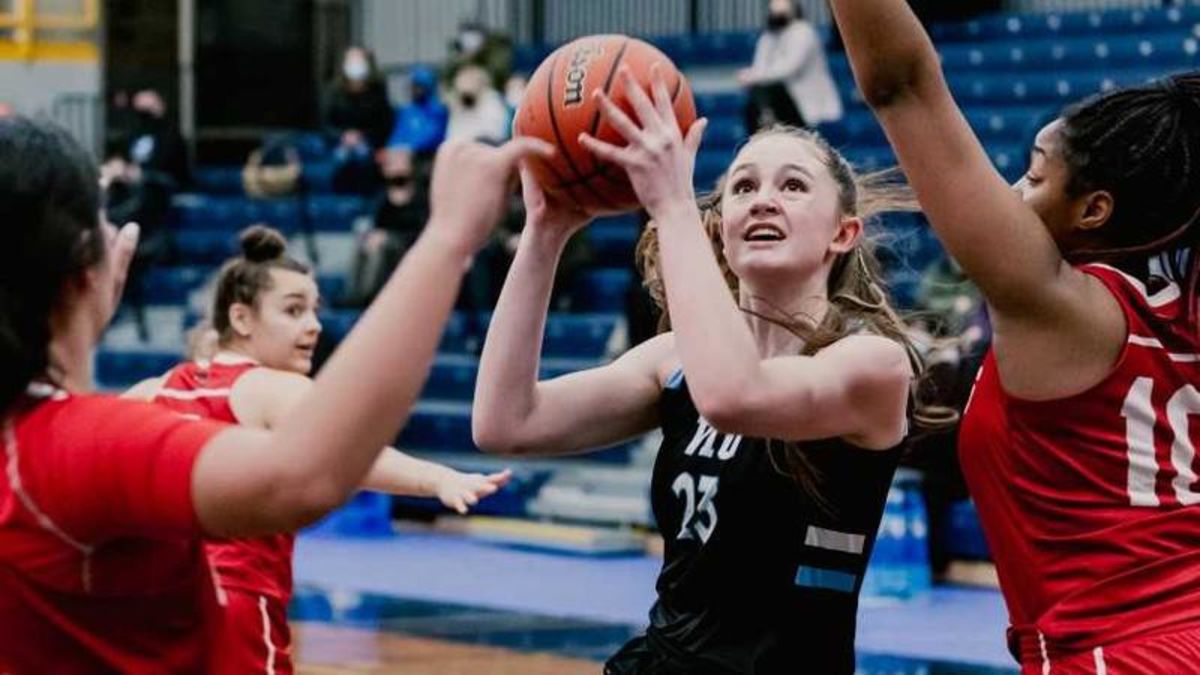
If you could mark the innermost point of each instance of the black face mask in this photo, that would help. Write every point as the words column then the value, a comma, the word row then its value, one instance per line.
column 468, row 100
column 146, row 120
column 777, row 22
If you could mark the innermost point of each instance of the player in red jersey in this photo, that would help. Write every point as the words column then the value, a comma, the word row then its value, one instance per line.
column 104, row 502
column 265, row 317
column 1077, row 444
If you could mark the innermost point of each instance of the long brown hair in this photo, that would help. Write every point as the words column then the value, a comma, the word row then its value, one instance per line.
column 857, row 293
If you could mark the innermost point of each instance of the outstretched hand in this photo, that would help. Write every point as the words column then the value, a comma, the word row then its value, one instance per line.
column 658, row 158
column 461, row 491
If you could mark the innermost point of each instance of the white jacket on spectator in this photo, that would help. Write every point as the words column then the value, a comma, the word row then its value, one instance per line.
column 477, row 110
column 796, row 57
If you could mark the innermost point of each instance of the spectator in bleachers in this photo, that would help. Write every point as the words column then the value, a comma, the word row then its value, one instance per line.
column 139, row 186
column 397, row 222
column 157, row 146
column 477, row 110
column 789, row 81
column 359, row 115
column 357, row 107
column 421, row 123
column 475, row 45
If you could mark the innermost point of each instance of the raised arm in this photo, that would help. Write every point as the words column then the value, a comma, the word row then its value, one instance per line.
column 981, row 220
column 513, row 412
column 1057, row 330
column 365, row 392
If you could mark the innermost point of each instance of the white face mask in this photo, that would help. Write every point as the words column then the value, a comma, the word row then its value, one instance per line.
column 470, row 41
column 355, row 69
column 513, row 93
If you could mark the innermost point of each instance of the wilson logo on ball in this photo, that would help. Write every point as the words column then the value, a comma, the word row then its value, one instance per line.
column 577, row 71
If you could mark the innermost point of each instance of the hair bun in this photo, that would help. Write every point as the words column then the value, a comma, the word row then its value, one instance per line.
column 261, row 243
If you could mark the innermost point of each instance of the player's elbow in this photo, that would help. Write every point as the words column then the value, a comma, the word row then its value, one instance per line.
column 494, row 437
column 725, row 408
column 887, row 85
column 312, row 502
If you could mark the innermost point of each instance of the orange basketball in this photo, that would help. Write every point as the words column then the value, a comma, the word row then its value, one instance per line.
column 558, row 105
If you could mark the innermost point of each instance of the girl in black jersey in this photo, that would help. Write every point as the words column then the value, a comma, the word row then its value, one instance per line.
column 782, row 403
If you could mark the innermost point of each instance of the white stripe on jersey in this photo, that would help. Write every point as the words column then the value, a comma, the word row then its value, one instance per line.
column 14, row 483
column 266, row 620
column 1165, row 295
column 193, row 394
column 1154, row 343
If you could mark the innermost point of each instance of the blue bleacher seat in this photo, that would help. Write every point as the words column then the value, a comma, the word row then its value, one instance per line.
column 624, row 221
column 444, row 426
column 714, row 104
column 724, row 131
column 578, row 335
column 604, row 290
column 119, row 369
column 211, row 247
column 612, row 246
column 318, row 176
column 220, row 180
column 1059, row 24
column 313, row 146
column 583, row 336
column 452, row 377
column 710, row 164
column 331, row 287
column 207, row 212
column 171, row 285
column 336, row 323
column 336, row 213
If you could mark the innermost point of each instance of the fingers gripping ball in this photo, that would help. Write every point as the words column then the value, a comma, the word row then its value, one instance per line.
column 558, row 105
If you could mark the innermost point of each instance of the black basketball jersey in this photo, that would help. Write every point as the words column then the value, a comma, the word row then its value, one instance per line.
column 757, row 576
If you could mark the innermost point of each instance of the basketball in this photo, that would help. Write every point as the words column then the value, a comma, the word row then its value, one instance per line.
column 558, row 106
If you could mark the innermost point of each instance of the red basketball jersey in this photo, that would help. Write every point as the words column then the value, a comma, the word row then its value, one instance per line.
column 262, row 565
column 101, row 566
column 1089, row 503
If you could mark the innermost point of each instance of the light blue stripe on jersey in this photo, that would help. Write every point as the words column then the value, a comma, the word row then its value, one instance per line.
column 816, row 577
column 675, row 380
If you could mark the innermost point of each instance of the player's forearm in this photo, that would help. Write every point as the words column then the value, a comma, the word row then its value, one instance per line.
column 399, row 474
column 889, row 51
column 714, row 343
column 506, row 389
column 366, row 391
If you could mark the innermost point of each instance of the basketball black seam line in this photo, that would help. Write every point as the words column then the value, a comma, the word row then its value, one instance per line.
column 558, row 133
column 612, row 74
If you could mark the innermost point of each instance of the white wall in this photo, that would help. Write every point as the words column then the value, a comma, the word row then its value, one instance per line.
column 32, row 87
column 418, row 31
